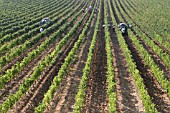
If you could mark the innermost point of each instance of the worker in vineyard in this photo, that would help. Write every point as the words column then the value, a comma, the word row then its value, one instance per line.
column 44, row 21
column 83, row 10
column 96, row 10
column 123, row 28
column 110, row 26
column 41, row 29
column 90, row 9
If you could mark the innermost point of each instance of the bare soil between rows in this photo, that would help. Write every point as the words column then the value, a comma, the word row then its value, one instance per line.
column 159, row 97
column 154, row 89
column 36, row 92
column 96, row 100
column 64, row 97
column 128, row 99
column 12, row 86
column 151, row 38
column 153, row 54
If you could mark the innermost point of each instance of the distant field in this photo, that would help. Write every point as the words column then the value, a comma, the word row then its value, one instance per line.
column 78, row 63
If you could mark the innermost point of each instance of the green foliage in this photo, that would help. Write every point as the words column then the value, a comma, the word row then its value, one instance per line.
column 68, row 60
column 156, row 27
column 149, row 106
column 148, row 59
column 111, row 91
column 41, row 66
column 86, row 71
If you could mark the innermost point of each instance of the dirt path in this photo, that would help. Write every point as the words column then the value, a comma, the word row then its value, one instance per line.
column 96, row 100
column 33, row 47
column 37, row 90
column 151, row 38
column 153, row 53
column 41, row 85
column 155, row 90
column 12, row 86
column 64, row 97
column 155, row 57
column 67, row 105
column 128, row 99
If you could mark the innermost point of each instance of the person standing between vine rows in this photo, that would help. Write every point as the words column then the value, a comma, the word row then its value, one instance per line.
column 123, row 28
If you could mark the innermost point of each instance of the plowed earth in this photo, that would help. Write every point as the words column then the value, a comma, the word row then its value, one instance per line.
column 96, row 98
